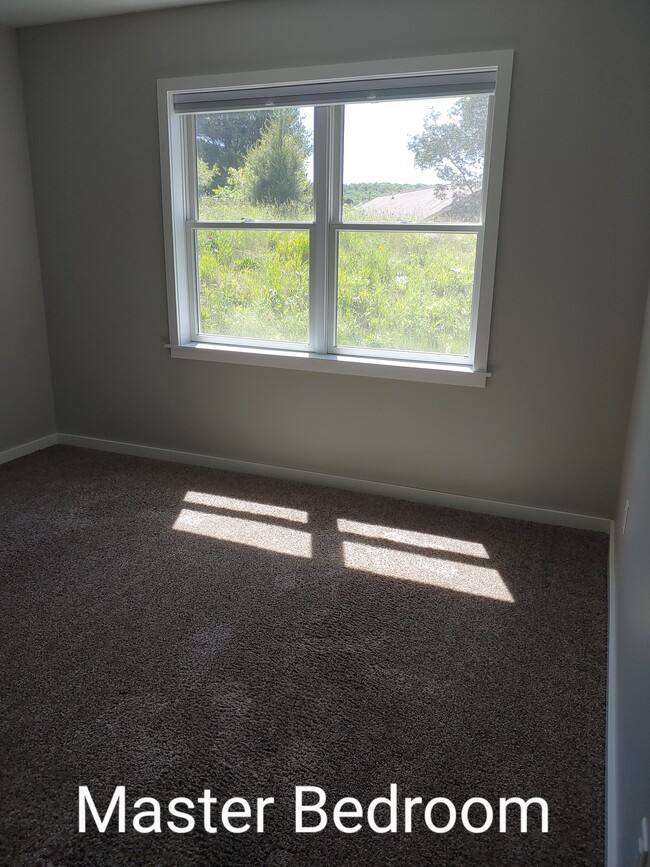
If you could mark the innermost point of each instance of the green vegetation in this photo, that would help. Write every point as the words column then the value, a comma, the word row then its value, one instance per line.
column 223, row 138
column 273, row 171
column 254, row 283
column 455, row 148
column 206, row 177
column 269, row 180
column 406, row 291
column 397, row 290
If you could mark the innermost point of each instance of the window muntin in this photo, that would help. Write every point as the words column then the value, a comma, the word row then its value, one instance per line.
column 326, row 229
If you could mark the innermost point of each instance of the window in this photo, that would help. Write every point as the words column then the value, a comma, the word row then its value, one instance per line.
column 339, row 219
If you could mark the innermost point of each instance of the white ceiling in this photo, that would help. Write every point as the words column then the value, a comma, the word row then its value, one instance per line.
column 23, row 13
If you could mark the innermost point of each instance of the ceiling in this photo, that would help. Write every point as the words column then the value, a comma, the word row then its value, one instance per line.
column 23, row 13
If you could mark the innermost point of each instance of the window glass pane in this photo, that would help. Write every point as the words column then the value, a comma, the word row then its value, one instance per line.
column 409, row 291
column 415, row 160
column 254, row 283
column 255, row 165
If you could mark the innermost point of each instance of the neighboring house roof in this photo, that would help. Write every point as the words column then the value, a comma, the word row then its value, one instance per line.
column 420, row 205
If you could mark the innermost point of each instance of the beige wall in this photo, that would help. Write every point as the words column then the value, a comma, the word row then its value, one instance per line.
column 26, row 411
column 632, row 623
column 572, row 266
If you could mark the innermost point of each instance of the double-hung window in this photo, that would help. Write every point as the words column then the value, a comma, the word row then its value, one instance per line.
column 338, row 219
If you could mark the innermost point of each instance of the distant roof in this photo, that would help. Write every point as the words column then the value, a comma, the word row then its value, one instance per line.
column 415, row 205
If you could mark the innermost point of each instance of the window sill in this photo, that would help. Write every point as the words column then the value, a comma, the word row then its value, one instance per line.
column 377, row 367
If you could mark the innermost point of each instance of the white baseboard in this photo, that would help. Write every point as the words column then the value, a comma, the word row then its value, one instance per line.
column 384, row 489
column 27, row 448
column 611, row 800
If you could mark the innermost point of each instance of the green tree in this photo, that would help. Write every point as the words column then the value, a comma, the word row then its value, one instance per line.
column 224, row 138
column 205, row 177
column 273, row 171
column 455, row 148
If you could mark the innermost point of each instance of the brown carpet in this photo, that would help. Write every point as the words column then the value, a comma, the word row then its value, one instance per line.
column 173, row 628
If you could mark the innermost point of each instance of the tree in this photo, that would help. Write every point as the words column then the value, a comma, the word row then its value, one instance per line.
column 273, row 171
column 205, row 177
column 225, row 137
column 455, row 148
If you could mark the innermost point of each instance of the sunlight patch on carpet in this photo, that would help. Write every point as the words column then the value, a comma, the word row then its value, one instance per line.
column 255, row 534
column 426, row 569
column 232, row 504
column 413, row 537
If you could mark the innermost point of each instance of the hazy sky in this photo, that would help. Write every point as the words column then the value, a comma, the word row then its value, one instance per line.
column 376, row 137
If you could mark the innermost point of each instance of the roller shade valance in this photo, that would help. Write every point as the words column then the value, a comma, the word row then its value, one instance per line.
column 337, row 92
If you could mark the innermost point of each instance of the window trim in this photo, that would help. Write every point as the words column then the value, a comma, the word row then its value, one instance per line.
column 177, row 180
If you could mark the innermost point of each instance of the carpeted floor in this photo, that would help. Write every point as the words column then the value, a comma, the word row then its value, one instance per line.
column 172, row 628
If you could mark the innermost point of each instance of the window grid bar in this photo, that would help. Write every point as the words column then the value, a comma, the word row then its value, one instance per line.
column 335, row 196
column 430, row 228
column 478, row 268
column 250, row 224
column 453, row 228
column 193, row 267
column 250, row 342
column 191, row 211
column 401, row 355
column 480, row 241
column 191, row 188
column 318, row 274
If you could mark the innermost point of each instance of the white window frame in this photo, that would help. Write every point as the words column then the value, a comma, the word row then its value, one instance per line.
column 178, row 166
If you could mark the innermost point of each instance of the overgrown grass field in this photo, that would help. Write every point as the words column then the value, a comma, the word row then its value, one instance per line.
column 409, row 291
